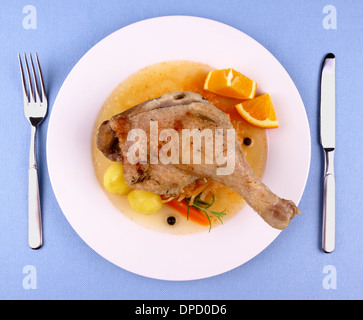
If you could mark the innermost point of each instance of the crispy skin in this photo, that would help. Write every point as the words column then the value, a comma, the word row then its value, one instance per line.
column 178, row 111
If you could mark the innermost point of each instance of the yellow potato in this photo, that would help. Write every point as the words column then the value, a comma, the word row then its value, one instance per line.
column 114, row 181
column 144, row 202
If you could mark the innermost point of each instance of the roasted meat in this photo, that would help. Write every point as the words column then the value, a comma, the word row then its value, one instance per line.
column 151, row 141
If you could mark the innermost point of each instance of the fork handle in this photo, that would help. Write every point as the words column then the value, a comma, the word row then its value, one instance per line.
column 34, row 212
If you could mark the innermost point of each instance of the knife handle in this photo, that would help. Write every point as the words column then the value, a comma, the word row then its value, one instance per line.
column 328, row 241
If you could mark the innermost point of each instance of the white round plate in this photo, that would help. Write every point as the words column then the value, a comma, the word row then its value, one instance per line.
column 83, row 202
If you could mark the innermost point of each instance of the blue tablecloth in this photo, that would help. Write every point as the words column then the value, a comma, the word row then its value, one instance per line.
column 298, row 34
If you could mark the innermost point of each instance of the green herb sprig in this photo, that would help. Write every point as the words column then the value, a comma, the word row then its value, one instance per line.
column 204, row 206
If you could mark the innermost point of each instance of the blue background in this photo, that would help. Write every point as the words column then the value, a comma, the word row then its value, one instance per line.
column 292, row 267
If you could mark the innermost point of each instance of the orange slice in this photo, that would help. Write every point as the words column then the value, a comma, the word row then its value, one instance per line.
column 258, row 111
column 230, row 83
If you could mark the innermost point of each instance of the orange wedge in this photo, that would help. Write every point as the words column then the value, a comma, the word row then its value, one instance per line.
column 259, row 111
column 230, row 83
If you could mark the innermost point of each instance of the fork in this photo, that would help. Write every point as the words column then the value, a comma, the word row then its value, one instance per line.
column 35, row 109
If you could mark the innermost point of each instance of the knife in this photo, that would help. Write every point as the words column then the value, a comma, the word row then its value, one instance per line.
column 327, row 133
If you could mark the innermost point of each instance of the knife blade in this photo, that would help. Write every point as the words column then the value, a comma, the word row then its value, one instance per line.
column 327, row 134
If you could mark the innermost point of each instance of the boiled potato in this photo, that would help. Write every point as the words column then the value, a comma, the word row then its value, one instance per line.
column 144, row 202
column 114, row 181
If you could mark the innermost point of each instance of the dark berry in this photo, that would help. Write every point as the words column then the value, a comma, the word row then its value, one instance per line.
column 171, row 220
column 247, row 141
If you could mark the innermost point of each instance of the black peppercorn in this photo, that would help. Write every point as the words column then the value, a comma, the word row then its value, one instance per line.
column 171, row 220
column 247, row 141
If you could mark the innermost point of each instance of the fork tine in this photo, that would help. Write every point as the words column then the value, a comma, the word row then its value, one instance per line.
column 44, row 96
column 31, row 91
column 25, row 94
column 36, row 89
